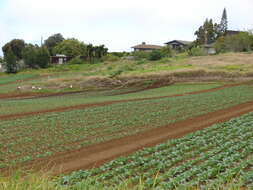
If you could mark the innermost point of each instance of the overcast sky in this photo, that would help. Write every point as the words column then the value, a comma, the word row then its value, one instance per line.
column 119, row 24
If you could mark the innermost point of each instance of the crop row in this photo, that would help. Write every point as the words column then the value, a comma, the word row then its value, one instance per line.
column 44, row 135
column 203, row 159
column 28, row 105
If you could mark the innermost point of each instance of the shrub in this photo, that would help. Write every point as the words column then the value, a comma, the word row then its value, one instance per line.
column 155, row 55
column 76, row 61
column 241, row 42
column 167, row 51
column 141, row 55
column 110, row 58
column 197, row 51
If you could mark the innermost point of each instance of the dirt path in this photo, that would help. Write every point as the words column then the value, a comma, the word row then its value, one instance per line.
column 96, row 155
column 84, row 106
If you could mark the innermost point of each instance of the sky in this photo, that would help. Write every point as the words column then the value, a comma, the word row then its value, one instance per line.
column 119, row 24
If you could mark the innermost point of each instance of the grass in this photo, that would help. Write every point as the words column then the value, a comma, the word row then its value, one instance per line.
column 42, row 181
column 15, row 77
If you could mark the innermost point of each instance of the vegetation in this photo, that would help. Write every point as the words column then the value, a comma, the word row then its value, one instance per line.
column 11, row 62
column 42, row 181
column 64, row 131
column 197, row 51
column 70, row 47
column 202, row 159
column 241, row 42
column 52, row 41
column 16, row 46
column 210, row 32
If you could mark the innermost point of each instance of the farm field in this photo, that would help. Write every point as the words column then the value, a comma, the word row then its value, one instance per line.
column 204, row 159
column 22, row 105
column 47, row 135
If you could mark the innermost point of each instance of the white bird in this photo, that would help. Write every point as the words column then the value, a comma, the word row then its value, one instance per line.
column 39, row 88
column 33, row 87
column 71, row 86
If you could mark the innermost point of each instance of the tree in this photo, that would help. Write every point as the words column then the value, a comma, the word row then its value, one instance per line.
column 30, row 56
column 42, row 57
column 71, row 47
column 206, row 34
column 11, row 61
column 90, row 52
column 100, row 51
column 16, row 45
column 223, row 26
column 53, row 41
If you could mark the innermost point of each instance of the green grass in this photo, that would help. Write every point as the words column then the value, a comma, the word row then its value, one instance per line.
column 28, row 105
column 15, row 77
column 44, row 135
column 205, row 159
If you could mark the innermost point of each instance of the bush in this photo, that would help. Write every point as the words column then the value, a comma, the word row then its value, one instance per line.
column 241, row 42
column 167, row 51
column 197, row 51
column 110, row 58
column 76, row 61
column 220, row 45
column 141, row 55
column 155, row 55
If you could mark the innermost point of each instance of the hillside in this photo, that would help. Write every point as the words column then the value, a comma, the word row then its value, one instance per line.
column 133, row 74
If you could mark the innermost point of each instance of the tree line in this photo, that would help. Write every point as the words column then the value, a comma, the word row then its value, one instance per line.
column 18, row 54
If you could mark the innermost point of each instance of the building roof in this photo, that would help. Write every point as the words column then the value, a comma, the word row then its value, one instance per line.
column 180, row 41
column 147, row 46
column 233, row 32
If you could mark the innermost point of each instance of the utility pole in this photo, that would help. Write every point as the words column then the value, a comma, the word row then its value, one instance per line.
column 41, row 41
column 206, row 40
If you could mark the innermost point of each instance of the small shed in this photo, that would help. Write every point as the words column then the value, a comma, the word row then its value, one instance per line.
column 209, row 49
column 60, row 59
column 146, row 47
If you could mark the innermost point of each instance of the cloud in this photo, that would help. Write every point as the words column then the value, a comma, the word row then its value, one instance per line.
column 118, row 24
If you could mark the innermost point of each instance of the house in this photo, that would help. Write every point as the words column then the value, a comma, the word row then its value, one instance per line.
column 146, row 47
column 232, row 32
column 178, row 44
column 60, row 59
